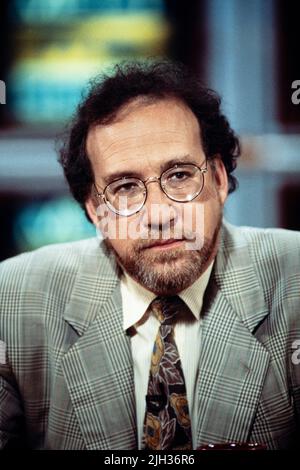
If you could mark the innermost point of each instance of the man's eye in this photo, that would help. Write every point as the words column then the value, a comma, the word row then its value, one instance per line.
column 179, row 176
column 126, row 188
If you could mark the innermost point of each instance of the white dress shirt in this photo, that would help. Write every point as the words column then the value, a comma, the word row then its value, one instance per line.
column 136, row 300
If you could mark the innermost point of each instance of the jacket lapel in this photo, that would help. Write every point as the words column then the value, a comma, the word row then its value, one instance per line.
column 233, row 363
column 98, row 367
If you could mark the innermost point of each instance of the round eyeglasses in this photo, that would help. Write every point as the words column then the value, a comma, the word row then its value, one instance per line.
column 126, row 196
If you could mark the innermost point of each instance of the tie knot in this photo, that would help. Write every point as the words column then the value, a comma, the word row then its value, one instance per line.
column 167, row 309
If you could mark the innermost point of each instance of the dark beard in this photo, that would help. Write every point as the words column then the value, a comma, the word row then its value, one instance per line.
column 168, row 279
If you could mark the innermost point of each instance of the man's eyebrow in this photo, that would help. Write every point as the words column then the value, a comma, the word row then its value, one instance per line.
column 120, row 174
column 176, row 161
column 135, row 174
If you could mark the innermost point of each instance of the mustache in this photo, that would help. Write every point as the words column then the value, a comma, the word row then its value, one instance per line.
column 149, row 239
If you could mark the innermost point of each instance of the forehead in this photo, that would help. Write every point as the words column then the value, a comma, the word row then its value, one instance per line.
column 147, row 134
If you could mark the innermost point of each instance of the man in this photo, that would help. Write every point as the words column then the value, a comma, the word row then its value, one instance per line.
column 150, row 157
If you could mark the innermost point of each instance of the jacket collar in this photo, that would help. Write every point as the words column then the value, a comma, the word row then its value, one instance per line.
column 236, row 277
column 95, row 282
column 233, row 273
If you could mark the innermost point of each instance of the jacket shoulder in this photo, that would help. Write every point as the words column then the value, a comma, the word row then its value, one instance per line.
column 273, row 243
column 49, row 268
column 274, row 255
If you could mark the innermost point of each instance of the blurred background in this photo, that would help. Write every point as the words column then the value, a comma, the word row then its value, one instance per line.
column 246, row 50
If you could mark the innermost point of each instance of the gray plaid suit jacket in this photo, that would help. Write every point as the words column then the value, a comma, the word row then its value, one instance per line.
column 66, row 374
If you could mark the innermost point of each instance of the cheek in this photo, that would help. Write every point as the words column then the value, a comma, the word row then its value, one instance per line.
column 115, row 230
column 212, row 213
column 210, row 192
column 207, row 213
column 119, row 246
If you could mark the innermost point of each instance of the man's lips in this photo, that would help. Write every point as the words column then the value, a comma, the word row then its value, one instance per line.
column 165, row 244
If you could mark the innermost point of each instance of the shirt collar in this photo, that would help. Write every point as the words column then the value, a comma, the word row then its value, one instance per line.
column 136, row 299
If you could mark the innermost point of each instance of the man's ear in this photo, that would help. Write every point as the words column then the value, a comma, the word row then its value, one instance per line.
column 91, row 210
column 221, row 178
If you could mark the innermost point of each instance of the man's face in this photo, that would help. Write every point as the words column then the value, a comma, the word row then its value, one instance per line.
column 145, row 139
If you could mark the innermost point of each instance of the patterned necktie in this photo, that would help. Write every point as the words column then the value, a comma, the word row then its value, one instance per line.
column 167, row 422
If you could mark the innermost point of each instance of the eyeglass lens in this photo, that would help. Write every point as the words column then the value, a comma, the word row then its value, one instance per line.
column 181, row 183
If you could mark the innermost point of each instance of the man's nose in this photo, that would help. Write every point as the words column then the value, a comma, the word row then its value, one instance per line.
column 160, row 210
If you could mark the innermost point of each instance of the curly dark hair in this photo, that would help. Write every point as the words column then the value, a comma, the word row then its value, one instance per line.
column 154, row 81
